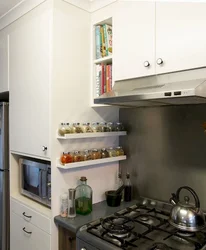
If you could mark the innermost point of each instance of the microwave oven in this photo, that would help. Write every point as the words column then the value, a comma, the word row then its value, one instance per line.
column 36, row 180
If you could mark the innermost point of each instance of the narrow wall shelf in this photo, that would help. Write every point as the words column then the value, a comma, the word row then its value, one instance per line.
column 82, row 164
column 106, row 59
column 91, row 135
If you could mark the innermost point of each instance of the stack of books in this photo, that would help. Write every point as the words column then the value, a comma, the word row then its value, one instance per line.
column 103, row 38
column 103, row 78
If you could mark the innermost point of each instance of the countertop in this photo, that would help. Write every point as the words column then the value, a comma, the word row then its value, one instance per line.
column 99, row 210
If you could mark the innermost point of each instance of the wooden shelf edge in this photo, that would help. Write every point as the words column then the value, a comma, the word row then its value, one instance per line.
column 82, row 164
column 91, row 135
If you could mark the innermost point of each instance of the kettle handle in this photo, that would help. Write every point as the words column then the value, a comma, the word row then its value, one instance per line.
column 197, row 201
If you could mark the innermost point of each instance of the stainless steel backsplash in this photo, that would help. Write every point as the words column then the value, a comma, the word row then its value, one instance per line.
column 166, row 149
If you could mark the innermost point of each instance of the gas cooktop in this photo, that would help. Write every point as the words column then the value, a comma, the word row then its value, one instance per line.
column 142, row 226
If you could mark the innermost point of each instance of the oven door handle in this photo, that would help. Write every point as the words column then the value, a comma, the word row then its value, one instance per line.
column 40, row 183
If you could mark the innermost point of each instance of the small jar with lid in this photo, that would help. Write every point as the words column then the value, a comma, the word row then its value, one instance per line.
column 119, row 126
column 86, row 155
column 66, row 158
column 76, row 128
column 104, row 153
column 111, row 151
column 103, row 126
column 119, row 151
column 68, row 129
column 110, row 126
column 62, row 129
column 86, row 128
column 95, row 154
column 95, row 127
column 77, row 156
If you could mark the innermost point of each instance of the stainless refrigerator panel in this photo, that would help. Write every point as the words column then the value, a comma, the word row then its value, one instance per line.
column 4, row 136
column 4, row 210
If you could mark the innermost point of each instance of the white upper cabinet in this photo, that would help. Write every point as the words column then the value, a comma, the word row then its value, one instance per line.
column 4, row 50
column 30, row 85
column 180, row 36
column 134, row 39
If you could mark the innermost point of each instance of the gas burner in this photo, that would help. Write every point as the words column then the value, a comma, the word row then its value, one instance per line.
column 160, row 246
column 118, row 226
column 122, row 236
column 144, row 218
column 185, row 234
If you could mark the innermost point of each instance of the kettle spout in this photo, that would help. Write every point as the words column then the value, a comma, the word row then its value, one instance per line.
column 173, row 199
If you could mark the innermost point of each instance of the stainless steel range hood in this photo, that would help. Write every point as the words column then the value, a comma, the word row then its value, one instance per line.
column 186, row 87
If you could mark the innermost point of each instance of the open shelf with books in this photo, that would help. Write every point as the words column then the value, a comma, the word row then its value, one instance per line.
column 102, row 58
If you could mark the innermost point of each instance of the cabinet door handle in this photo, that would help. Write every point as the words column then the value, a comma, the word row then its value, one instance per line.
column 83, row 248
column 44, row 148
column 159, row 61
column 27, row 216
column 24, row 229
column 146, row 64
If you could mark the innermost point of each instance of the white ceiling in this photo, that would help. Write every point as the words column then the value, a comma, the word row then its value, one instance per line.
column 6, row 5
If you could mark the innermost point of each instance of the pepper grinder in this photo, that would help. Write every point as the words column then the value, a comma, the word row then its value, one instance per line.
column 71, row 203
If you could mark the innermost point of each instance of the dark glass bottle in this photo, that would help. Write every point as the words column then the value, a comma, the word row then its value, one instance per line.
column 128, row 188
column 83, row 198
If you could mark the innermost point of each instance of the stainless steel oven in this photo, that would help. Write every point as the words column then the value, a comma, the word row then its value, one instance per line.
column 36, row 180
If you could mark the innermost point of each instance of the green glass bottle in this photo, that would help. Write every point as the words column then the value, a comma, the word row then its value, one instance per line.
column 83, row 198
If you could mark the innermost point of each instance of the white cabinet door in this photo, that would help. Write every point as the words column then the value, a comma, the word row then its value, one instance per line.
column 25, row 236
column 180, row 36
column 134, row 40
column 4, row 50
column 30, row 85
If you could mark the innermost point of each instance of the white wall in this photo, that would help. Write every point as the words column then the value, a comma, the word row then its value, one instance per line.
column 71, row 91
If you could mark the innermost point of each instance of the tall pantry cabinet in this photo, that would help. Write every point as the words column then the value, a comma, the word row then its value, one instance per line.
column 29, row 69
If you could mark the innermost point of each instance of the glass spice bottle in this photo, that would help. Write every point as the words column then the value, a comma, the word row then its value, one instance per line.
column 77, row 156
column 68, row 129
column 86, row 128
column 95, row 154
column 86, row 155
column 119, row 151
column 119, row 184
column 62, row 129
column 103, row 126
column 96, row 127
column 76, row 128
column 83, row 198
column 111, row 151
column 63, row 158
column 104, row 153
column 119, row 126
column 110, row 126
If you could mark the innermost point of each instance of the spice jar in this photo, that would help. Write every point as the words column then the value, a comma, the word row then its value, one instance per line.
column 63, row 158
column 103, row 126
column 96, row 127
column 76, row 128
column 104, row 153
column 86, row 155
column 95, row 154
column 66, row 158
column 86, row 128
column 112, row 152
column 62, row 129
column 119, row 126
column 68, row 129
column 77, row 156
column 119, row 151
column 110, row 126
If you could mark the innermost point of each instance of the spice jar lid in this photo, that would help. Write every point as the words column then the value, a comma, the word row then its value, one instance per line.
column 103, row 149
column 94, row 150
column 76, row 152
column 86, row 123
column 83, row 178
